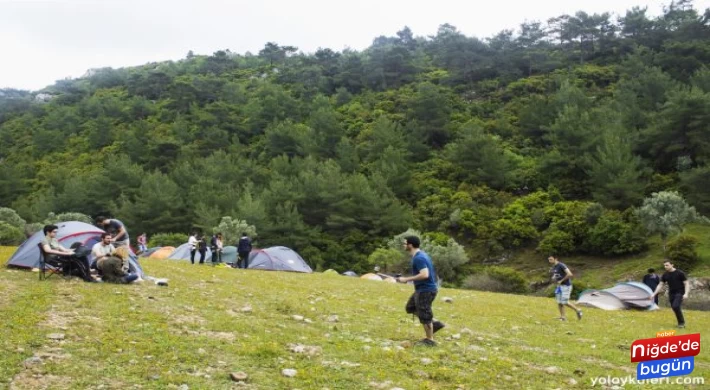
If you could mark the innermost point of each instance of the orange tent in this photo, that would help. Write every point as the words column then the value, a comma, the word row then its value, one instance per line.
column 162, row 253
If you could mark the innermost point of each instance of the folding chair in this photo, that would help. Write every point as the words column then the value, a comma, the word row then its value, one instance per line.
column 47, row 270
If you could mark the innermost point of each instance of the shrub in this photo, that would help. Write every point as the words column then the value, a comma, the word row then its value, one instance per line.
column 11, row 217
column 447, row 257
column 498, row 279
column 385, row 258
column 10, row 235
column 232, row 229
column 556, row 241
column 62, row 217
column 612, row 235
column 167, row 239
column 682, row 251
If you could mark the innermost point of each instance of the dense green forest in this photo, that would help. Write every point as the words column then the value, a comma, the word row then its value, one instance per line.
column 548, row 136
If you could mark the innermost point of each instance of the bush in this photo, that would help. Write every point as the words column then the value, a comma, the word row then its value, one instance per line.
column 447, row 258
column 11, row 217
column 232, row 229
column 63, row 217
column 385, row 258
column 612, row 235
column 498, row 279
column 682, row 251
column 10, row 235
column 556, row 241
column 167, row 239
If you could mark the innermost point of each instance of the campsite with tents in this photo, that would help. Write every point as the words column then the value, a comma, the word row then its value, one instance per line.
column 216, row 327
column 583, row 136
column 280, row 324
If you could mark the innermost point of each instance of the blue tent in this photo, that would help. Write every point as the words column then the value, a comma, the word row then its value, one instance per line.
column 69, row 233
column 183, row 253
column 278, row 258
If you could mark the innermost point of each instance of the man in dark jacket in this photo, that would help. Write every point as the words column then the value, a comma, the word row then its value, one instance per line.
column 244, row 248
column 652, row 280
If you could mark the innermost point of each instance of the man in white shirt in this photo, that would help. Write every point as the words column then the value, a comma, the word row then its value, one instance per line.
column 103, row 248
column 192, row 241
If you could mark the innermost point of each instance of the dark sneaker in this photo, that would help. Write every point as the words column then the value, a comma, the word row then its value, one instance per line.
column 579, row 314
column 425, row 343
column 438, row 325
column 681, row 326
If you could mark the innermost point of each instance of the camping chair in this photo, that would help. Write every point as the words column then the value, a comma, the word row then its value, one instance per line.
column 57, row 268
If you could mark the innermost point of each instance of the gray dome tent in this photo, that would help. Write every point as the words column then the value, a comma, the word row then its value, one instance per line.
column 229, row 254
column 278, row 258
column 627, row 295
column 70, row 232
column 183, row 253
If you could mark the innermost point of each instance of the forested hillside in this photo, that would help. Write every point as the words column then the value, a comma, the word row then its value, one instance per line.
column 545, row 136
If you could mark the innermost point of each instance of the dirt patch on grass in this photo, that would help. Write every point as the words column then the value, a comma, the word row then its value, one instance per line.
column 32, row 380
column 227, row 336
column 607, row 365
column 58, row 319
column 187, row 319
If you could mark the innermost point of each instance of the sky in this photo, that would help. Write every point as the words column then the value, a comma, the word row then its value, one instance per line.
column 42, row 41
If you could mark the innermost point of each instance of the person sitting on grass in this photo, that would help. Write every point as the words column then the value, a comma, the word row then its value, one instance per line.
column 114, row 268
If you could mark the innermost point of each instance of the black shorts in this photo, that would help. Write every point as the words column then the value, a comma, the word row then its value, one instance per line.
column 420, row 304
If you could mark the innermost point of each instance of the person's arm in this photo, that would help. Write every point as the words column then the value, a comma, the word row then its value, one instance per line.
column 658, row 289
column 120, row 235
column 568, row 274
column 422, row 275
column 62, row 252
column 687, row 289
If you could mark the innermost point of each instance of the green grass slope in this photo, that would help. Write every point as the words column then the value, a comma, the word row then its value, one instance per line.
column 603, row 272
column 210, row 322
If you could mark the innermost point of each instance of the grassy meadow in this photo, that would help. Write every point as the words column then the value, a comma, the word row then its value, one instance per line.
column 336, row 332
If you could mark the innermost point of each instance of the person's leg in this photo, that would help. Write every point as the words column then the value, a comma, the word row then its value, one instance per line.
column 130, row 278
column 246, row 260
column 192, row 256
column 411, row 307
column 202, row 257
column 423, row 302
column 676, row 302
column 559, row 297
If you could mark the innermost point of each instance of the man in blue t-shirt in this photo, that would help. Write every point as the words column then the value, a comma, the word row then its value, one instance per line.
column 425, row 289
column 562, row 276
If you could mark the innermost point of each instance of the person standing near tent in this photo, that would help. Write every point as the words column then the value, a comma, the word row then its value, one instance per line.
column 202, row 248
column 562, row 276
column 243, row 249
column 142, row 243
column 192, row 242
column 652, row 280
column 216, row 245
column 425, row 290
column 117, row 230
column 678, row 288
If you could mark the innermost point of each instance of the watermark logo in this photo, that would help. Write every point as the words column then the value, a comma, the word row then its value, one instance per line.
column 666, row 355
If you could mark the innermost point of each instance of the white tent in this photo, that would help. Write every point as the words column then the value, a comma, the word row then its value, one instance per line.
column 627, row 295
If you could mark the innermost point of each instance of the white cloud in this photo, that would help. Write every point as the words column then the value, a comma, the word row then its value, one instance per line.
column 43, row 41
